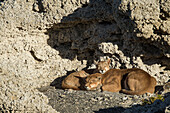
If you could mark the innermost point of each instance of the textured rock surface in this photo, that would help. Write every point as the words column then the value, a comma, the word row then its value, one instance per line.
column 105, row 102
column 43, row 40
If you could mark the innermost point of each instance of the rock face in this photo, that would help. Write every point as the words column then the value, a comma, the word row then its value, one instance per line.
column 43, row 40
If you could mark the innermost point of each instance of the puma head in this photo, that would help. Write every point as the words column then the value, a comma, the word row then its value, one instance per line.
column 93, row 82
column 103, row 66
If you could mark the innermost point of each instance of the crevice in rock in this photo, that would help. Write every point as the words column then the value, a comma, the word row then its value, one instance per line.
column 159, row 32
column 21, row 28
column 34, row 56
column 105, row 22
column 165, row 62
column 118, row 35
column 40, row 6
column 108, row 54
column 164, row 15
column 62, row 6
column 84, row 5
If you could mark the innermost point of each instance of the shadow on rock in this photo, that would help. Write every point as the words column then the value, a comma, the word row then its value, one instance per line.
column 80, row 34
column 111, row 110
column 157, row 107
column 58, row 81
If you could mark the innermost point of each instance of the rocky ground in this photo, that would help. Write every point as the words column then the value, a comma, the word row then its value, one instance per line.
column 44, row 40
column 71, row 101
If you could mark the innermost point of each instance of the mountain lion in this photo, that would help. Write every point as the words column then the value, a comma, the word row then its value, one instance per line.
column 76, row 79
column 129, row 81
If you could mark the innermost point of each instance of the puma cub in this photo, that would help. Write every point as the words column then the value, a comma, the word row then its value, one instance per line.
column 76, row 79
column 129, row 81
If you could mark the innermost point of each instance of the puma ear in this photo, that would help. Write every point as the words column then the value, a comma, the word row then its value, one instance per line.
column 95, row 62
column 108, row 61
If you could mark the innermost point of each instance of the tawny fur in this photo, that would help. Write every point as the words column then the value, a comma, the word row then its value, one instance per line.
column 76, row 80
column 93, row 81
column 130, row 81
column 102, row 66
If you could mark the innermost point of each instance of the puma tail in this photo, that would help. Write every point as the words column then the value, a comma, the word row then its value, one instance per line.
column 133, row 92
column 65, row 86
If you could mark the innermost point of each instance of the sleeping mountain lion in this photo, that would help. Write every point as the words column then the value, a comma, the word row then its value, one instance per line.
column 129, row 81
